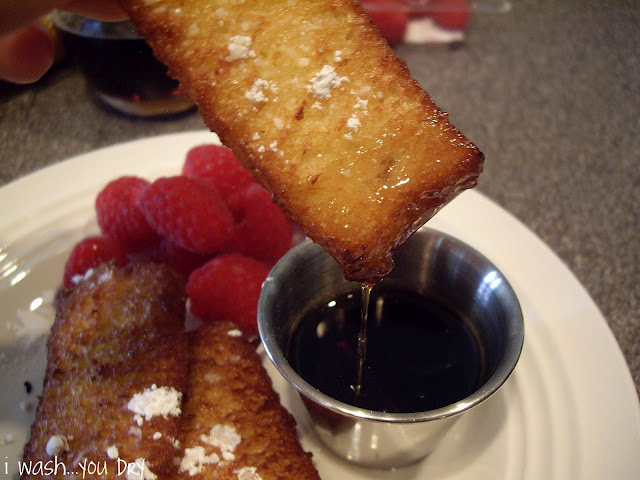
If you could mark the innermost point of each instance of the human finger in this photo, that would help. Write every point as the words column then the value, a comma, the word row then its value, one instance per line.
column 108, row 11
column 26, row 54
column 15, row 15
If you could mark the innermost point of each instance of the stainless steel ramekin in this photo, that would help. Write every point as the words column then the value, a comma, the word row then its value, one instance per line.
column 430, row 263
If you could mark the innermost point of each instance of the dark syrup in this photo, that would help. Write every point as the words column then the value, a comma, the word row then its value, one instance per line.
column 419, row 355
column 123, row 68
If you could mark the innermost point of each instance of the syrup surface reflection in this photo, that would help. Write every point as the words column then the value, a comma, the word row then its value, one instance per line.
column 420, row 356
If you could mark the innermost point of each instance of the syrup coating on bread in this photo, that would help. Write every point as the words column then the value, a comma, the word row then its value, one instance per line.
column 317, row 105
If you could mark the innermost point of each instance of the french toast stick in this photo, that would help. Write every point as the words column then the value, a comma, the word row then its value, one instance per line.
column 317, row 105
column 233, row 425
column 118, row 339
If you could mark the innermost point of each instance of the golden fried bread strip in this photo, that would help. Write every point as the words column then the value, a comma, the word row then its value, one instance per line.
column 233, row 422
column 317, row 105
column 116, row 334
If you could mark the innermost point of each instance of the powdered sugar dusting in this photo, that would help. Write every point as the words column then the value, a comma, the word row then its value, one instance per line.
column 248, row 473
column 324, row 81
column 363, row 105
column 112, row 452
column 56, row 445
column 353, row 123
column 239, row 48
column 257, row 91
column 195, row 459
column 141, row 472
column 225, row 437
column 154, row 401
column 104, row 276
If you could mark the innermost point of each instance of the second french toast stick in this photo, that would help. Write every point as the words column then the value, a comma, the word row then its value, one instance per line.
column 116, row 369
column 233, row 425
column 317, row 105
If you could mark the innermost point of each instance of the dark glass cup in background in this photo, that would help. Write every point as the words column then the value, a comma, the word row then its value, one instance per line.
column 120, row 66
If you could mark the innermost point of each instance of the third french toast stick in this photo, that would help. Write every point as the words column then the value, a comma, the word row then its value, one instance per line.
column 116, row 369
column 317, row 105
column 233, row 425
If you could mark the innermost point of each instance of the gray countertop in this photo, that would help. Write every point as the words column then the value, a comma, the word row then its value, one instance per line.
column 549, row 91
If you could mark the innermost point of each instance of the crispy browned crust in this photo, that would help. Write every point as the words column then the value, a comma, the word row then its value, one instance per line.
column 116, row 334
column 357, row 177
column 229, row 386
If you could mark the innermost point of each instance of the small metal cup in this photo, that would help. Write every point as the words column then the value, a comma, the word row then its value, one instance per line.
column 430, row 263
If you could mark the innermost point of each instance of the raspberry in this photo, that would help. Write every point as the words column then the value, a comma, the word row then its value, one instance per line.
column 147, row 254
column 188, row 212
column 178, row 258
column 89, row 253
column 217, row 166
column 227, row 288
column 119, row 216
column 168, row 253
column 262, row 230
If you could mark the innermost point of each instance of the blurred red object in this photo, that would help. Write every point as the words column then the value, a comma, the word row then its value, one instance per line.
column 451, row 14
column 390, row 16
column 393, row 17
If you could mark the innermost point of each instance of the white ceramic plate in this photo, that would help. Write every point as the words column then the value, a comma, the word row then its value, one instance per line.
column 569, row 411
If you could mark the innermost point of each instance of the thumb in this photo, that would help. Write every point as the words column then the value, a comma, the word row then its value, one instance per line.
column 26, row 54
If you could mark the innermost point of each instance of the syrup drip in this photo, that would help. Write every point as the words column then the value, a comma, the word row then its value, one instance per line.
column 362, row 337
